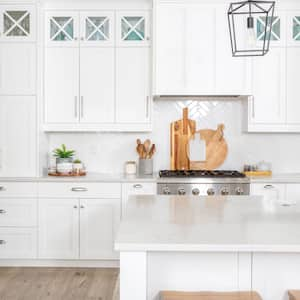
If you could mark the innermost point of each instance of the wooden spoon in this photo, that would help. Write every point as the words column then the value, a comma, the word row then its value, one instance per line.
column 152, row 151
column 140, row 150
column 147, row 145
column 138, row 141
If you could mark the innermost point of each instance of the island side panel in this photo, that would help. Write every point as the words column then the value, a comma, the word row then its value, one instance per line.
column 189, row 271
column 133, row 276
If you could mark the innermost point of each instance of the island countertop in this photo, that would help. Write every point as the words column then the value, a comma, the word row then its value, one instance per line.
column 215, row 224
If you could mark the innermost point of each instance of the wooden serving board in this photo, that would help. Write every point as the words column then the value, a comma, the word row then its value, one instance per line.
column 216, row 149
column 181, row 133
column 72, row 174
column 258, row 173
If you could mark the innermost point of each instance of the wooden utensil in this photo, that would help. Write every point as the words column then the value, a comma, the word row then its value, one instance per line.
column 147, row 145
column 152, row 151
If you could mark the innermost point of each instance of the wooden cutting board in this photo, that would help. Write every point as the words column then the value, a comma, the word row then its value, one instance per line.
column 216, row 149
column 182, row 131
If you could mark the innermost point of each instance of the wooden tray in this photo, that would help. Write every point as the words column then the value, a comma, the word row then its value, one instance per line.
column 258, row 173
column 72, row 174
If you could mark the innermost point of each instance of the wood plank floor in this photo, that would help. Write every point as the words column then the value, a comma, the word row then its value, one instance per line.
column 59, row 284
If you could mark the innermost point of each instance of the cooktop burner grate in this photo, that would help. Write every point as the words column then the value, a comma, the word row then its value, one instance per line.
column 201, row 173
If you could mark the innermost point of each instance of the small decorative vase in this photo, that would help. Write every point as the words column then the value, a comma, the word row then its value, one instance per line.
column 77, row 167
column 64, row 165
column 145, row 166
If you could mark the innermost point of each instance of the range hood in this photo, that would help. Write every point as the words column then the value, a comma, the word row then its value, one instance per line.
column 200, row 97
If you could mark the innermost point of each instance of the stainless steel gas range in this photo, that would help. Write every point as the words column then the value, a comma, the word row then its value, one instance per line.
column 200, row 183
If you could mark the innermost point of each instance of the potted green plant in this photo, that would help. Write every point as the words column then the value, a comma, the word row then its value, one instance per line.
column 64, row 159
column 77, row 165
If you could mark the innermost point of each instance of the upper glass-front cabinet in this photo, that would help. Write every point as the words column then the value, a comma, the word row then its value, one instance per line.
column 97, row 28
column 62, row 28
column 17, row 23
column 133, row 28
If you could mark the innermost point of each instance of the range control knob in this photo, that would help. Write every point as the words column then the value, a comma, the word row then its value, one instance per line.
column 224, row 191
column 166, row 191
column 210, row 192
column 195, row 192
column 181, row 191
column 239, row 191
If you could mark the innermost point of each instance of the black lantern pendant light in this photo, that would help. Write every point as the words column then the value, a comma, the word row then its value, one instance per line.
column 241, row 19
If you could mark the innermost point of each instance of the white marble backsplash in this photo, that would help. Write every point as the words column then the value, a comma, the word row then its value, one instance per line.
column 107, row 152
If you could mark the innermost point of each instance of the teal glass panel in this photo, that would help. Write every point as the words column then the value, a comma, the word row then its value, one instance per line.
column 11, row 18
column 62, row 29
column 262, row 23
column 133, row 28
column 97, row 28
column 296, row 28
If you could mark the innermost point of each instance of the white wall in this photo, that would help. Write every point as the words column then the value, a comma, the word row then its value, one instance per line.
column 107, row 152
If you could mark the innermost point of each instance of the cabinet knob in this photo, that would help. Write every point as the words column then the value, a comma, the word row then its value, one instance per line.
column 2, row 211
column 82, row 38
column 2, row 242
column 82, row 206
column 2, row 188
column 75, row 206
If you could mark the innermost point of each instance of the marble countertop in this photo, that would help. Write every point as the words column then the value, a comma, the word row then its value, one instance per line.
column 90, row 177
column 217, row 224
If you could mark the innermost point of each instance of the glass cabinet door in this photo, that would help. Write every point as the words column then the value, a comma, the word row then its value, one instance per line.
column 97, row 28
column 293, row 29
column 62, row 28
column 133, row 28
column 17, row 23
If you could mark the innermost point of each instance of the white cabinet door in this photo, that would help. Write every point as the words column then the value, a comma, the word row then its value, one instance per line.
column 133, row 28
column 17, row 69
column 293, row 91
column 273, row 274
column 136, row 188
column 269, row 88
column 18, row 136
column 271, row 191
column 170, row 70
column 293, row 193
column 18, row 23
column 58, row 228
column 61, row 85
column 200, row 39
column 97, row 82
column 97, row 28
column 232, row 73
column 133, row 85
column 99, row 220
column 62, row 29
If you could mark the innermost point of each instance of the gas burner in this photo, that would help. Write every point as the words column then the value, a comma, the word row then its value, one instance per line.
column 200, row 173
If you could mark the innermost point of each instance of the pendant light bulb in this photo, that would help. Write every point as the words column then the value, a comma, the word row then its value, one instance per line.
column 251, row 37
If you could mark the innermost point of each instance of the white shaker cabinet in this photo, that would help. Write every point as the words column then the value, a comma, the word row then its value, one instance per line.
column 61, row 85
column 99, row 220
column 267, row 107
column 17, row 69
column 271, row 191
column 18, row 123
column 192, row 52
column 58, row 228
column 97, row 80
column 132, row 85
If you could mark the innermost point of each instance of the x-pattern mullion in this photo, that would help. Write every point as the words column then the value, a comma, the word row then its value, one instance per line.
column 133, row 28
column 16, row 23
column 97, row 28
column 266, row 24
column 61, row 28
column 297, row 20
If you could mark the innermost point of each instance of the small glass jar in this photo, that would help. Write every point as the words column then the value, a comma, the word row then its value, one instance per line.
column 130, row 168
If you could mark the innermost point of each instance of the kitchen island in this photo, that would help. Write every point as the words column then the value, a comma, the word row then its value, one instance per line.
column 231, row 243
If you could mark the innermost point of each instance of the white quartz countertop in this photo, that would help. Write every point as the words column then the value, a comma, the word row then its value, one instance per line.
column 90, row 177
column 233, row 223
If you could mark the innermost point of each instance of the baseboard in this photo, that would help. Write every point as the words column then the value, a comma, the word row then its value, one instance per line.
column 60, row 263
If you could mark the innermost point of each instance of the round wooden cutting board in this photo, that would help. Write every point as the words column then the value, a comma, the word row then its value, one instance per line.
column 216, row 149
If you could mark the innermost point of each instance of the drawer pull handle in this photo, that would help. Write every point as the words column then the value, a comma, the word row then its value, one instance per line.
column 79, row 189
column 138, row 186
column 2, row 211
column 2, row 242
column 269, row 187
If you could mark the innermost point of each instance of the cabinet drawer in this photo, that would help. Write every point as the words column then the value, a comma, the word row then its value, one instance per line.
column 272, row 191
column 18, row 212
column 18, row 243
column 79, row 190
column 138, row 188
column 18, row 189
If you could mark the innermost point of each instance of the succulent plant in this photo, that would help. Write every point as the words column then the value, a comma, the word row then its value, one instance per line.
column 63, row 152
column 77, row 161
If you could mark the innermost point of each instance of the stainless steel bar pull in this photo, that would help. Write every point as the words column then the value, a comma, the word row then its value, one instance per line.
column 79, row 189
